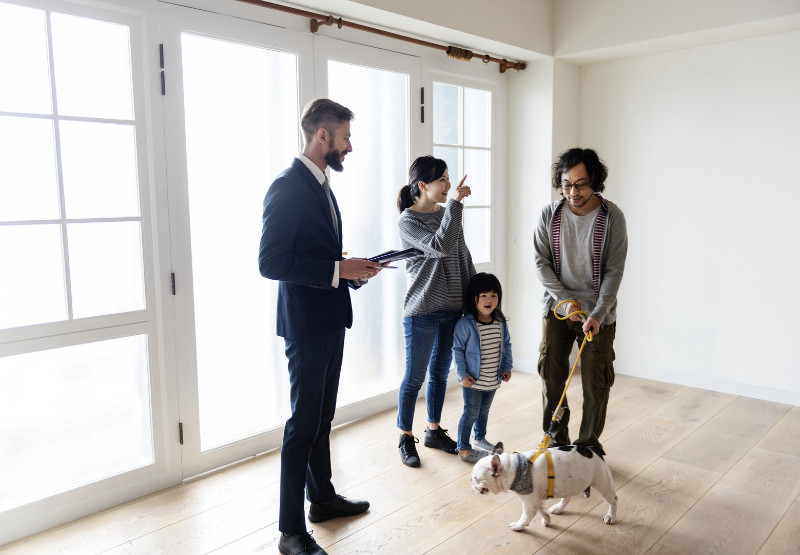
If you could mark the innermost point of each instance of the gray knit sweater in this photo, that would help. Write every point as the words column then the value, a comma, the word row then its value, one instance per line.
column 612, row 265
column 438, row 277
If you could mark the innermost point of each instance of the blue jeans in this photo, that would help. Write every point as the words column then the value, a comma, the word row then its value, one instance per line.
column 476, row 411
column 429, row 344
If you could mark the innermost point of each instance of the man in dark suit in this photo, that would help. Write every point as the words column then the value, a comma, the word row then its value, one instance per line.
column 301, row 246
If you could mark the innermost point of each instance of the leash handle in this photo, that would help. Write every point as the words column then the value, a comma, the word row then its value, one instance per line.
column 584, row 316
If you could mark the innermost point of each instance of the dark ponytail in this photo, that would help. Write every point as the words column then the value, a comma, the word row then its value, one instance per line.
column 425, row 169
column 405, row 197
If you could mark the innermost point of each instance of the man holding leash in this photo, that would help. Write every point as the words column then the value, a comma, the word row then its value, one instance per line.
column 580, row 246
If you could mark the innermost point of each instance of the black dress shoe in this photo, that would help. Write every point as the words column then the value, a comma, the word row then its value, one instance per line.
column 341, row 506
column 299, row 544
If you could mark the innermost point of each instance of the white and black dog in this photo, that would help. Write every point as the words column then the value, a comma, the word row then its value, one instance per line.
column 576, row 469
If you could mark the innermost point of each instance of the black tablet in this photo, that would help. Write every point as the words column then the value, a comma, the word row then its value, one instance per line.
column 393, row 256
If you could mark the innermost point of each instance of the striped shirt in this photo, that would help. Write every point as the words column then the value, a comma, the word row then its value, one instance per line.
column 491, row 338
column 436, row 278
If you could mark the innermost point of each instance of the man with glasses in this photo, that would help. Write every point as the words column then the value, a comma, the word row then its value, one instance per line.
column 580, row 244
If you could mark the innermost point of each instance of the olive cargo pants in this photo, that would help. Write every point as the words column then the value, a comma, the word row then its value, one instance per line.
column 597, row 375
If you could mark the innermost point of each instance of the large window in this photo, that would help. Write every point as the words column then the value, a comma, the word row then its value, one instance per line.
column 233, row 151
column 137, row 337
column 374, row 358
column 75, row 341
column 462, row 137
column 70, row 226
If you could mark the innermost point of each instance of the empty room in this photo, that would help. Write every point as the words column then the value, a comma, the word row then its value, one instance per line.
column 157, row 385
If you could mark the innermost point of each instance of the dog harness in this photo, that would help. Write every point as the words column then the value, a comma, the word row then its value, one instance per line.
column 523, row 478
column 597, row 241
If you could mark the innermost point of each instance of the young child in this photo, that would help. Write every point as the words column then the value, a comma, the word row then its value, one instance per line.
column 482, row 352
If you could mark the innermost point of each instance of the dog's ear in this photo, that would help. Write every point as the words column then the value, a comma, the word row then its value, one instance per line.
column 498, row 448
column 497, row 466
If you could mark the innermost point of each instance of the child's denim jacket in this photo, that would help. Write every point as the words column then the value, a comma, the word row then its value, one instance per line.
column 467, row 349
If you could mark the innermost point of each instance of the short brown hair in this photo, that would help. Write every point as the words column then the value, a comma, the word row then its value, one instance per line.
column 323, row 113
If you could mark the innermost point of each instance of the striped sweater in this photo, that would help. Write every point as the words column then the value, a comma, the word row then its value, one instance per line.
column 438, row 277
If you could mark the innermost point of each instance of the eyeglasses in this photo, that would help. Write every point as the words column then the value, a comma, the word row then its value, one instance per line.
column 579, row 187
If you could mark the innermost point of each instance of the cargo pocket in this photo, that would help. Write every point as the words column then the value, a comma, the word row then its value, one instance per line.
column 603, row 368
column 544, row 348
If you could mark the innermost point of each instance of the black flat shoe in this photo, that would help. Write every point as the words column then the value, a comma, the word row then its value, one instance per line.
column 299, row 544
column 341, row 506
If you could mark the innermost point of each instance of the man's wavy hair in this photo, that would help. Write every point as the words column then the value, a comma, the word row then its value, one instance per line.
column 597, row 171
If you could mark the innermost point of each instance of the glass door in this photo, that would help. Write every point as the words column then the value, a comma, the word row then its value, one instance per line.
column 378, row 86
column 233, row 94
column 82, row 386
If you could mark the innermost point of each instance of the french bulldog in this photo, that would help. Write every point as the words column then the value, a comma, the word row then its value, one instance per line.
column 577, row 468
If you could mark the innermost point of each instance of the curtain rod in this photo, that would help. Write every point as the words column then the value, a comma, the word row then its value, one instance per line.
column 317, row 20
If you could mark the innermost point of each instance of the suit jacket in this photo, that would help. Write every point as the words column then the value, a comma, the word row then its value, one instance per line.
column 299, row 247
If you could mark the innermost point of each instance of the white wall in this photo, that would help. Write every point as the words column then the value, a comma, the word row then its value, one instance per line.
column 591, row 25
column 530, row 126
column 543, row 121
column 702, row 147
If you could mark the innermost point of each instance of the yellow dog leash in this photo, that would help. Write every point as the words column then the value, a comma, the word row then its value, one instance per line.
column 558, row 413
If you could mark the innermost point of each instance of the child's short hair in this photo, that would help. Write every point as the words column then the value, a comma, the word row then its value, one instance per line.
column 483, row 283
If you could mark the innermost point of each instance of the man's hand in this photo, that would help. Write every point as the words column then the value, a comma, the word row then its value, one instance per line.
column 506, row 376
column 467, row 381
column 573, row 307
column 358, row 268
column 591, row 324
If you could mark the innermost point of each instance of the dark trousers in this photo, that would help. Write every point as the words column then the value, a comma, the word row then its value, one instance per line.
column 314, row 369
column 597, row 375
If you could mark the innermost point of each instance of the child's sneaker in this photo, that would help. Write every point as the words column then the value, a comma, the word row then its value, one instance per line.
column 439, row 439
column 473, row 456
column 483, row 444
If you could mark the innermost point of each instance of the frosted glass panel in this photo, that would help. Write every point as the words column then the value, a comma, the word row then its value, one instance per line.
column 99, row 168
column 72, row 416
column 92, row 67
column 31, row 276
column 450, row 156
column 23, row 60
column 28, row 186
column 477, row 117
column 241, row 131
column 446, row 114
column 477, row 233
column 374, row 357
column 106, row 268
column 477, row 167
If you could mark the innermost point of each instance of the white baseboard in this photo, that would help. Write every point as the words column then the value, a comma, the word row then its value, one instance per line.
column 689, row 380
column 704, row 382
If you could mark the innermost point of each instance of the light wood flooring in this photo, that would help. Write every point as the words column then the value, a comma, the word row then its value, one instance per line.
column 696, row 472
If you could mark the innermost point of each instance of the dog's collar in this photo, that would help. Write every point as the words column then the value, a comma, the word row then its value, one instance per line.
column 523, row 478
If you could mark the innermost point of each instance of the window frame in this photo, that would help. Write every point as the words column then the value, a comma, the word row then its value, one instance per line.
column 153, row 321
column 497, row 200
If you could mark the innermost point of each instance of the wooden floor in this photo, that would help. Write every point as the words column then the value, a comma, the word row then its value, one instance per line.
column 696, row 472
